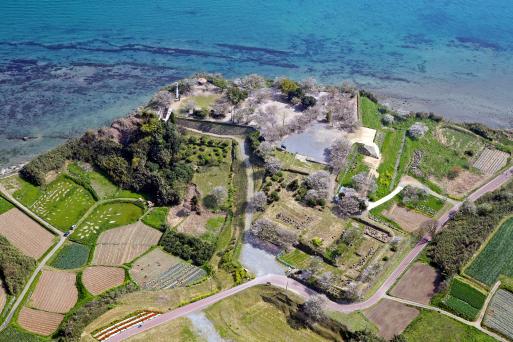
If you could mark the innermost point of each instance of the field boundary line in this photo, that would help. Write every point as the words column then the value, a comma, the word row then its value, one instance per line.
column 482, row 313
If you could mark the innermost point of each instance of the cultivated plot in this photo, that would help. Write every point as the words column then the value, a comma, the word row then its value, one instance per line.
column 391, row 317
column 491, row 161
column 98, row 279
column 120, row 245
column 151, row 265
column 499, row 315
column 63, row 203
column 418, row 284
column 408, row 219
column 39, row 322
column 55, row 292
column 25, row 234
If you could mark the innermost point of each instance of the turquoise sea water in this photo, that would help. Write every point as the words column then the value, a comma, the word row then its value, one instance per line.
column 69, row 65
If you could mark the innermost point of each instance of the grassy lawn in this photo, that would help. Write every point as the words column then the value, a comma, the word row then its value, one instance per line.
column 157, row 217
column 246, row 317
column 354, row 167
column 62, row 203
column 429, row 205
column 496, row 258
column 355, row 321
column 464, row 299
column 296, row 258
column 104, row 217
column 202, row 101
column 289, row 161
column 389, row 154
column 435, row 327
column 27, row 193
column 461, row 140
column 208, row 178
column 213, row 226
column 5, row 205
column 72, row 255
column 370, row 115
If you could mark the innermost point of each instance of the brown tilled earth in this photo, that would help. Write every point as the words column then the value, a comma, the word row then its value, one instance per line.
column 408, row 219
column 39, row 322
column 55, row 292
column 418, row 284
column 461, row 185
column 150, row 266
column 98, row 279
column 25, row 234
column 120, row 245
column 391, row 317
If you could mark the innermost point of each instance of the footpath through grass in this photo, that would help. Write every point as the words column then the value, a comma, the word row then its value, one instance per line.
column 496, row 258
column 434, row 327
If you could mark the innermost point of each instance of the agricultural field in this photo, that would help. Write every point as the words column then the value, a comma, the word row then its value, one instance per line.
column 55, row 292
column 63, row 203
column 464, row 299
column 23, row 191
column 246, row 317
column 490, row 161
column 179, row 275
column 438, row 327
column 25, row 234
column 103, row 217
column 369, row 112
column 180, row 329
column 499, row 315
column 39, row 322
column 156, row 217
column 5, row 205
column 495, row 258
column 418, row 284
column 296, row 258
column 391, row 317
column 408, row 219
column 98, row 279
column 13, row 333
column 121, row 245
column 151, row 265
column 72, row 255
column 459, row 139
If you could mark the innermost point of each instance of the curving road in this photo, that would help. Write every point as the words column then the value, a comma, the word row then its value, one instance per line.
column 300, row 289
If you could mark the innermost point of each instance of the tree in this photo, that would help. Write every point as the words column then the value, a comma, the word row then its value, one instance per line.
column 190, row 106
column 427, row 228
column 265, row 149
column 288, row 86
column 314, row 308
column 221, row 107
column 308, row 101
column 259, row 201
column 349, row 205
column 469, row 207
column 364, row 183
column 349, row 235
column 251, row 82
column 272, row 165
column 269, row 231
column 219, row 195
column 236, row 95
column 319, row 181
column 337, row 154
column 417, row 130
column 388, row 119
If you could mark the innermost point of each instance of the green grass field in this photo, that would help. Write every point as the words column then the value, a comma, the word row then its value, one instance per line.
column 27, row 193
column 434, row 327
column 461, row 140
column 72, row 255
column 464, row 299
column 370, row 115
column 246, row 317
column 496, row 258
column 390, row 151
column 5, row 205
column 12, row 334
column 62, row 203
column 104, row 217
column 429, row 206
column 355, row 321
column 297, row 258
column 289, row 161
column 213, row 227
column 210, row 177
column 157, row 217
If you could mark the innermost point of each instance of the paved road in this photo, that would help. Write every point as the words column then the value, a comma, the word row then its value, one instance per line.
column 294, row 286
column 41, row 264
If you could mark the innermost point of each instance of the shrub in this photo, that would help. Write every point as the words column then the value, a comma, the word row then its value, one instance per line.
column 15, row 267
column 187, row 247
column 236, row 95
column 417, row 130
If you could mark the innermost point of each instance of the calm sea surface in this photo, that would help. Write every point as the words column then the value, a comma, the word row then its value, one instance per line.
column 69, row 65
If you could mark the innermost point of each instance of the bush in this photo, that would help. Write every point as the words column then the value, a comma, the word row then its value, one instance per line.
column 187, row 247
column 308, row 101
column 15, row 267
column 236, row 95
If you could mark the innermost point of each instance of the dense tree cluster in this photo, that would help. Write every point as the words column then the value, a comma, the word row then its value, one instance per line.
column 337, row 154
column 15, row 267
column 466, row 231
column 271, row 232
column 187, row 247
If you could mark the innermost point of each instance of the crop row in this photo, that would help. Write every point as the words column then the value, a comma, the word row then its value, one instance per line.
column 177, row 275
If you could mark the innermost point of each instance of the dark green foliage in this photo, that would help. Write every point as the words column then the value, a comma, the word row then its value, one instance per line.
column 71, row 256
column 464, row 233
column 13, row 334
column 15, row 268
column 308, row 101
column 75, row 321
column 467, row 293
column 35, row 171
column 187, row 247
column 236, row 95
column 461, row 308
column 201, row 113
column 369, row 95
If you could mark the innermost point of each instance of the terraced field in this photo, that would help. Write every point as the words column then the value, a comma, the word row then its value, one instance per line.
column 496, row 258
column 499, row 315
column 63, row 203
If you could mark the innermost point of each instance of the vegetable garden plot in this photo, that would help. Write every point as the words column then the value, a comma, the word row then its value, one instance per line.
column 499, row 315
column 491, row 161
column 39, row 322
column 178, row 275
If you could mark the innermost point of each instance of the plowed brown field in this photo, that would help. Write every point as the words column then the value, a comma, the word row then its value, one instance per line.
column 55, row 292
column 25, row 234
column 98, row 279
column 39, row 322
column 418, row 284
column 120, row 245
column 391, row 317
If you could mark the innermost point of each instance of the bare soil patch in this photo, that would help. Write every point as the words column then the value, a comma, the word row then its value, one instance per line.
column 98, row 279
column 120, row 245
column 462, row 184
column 409, row 220
column 39, row 322
column 391, row 317
column 152, row 265
column 25, row 234
column 55, row 292
column 418, row 284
